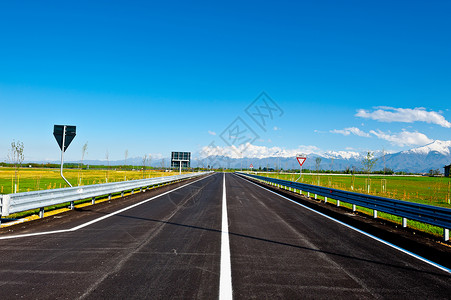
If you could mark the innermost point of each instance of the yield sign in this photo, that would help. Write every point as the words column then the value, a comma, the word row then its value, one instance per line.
column 301, row 160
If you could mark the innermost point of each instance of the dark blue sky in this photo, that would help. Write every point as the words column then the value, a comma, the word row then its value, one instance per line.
column 160, row 76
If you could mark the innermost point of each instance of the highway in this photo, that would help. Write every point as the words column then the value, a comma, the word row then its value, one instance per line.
column 173, row 243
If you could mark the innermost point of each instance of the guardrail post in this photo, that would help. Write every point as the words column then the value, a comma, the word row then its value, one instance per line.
column 404, row 222
column 41, row 212
column 71, row 206
column 93, row 200
column 374, row 213
column 122, row 194
column 445, row 234
column 109, row 197
column 353, row 208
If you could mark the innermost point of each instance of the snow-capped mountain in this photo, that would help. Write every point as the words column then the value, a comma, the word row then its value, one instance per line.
column 417, row 160
column 342, row 155
column 441, row 147
column 421, row 159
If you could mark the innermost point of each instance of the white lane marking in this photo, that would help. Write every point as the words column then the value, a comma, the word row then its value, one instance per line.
column 225, row 279
column 360, row 231
column 98, row 219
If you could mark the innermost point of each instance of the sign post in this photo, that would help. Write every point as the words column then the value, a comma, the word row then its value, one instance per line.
column 64, row 134
column 251, row 167
column 301, row 158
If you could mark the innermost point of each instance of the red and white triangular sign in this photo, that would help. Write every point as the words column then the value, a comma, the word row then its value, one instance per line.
column 251, row 166
column 301, row 160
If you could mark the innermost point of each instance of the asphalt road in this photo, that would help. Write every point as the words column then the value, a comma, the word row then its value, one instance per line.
column 169, row 247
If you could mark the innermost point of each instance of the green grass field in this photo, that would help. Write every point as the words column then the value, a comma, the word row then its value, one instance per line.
column 33, row 179
column 419, row 189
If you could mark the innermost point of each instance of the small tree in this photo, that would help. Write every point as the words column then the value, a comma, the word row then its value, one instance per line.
column 318, row 163
column 125, row 164
column 145, row 158
column 368, row 164
column 107, row 156
column 83, row 152
column 16, row 157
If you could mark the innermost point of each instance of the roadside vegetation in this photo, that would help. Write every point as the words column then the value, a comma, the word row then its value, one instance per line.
column 419, row 189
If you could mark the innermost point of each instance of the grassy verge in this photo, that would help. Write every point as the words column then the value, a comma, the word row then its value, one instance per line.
column 431, row 229
column 415, row 184
column 33, row 179
column 419, row 189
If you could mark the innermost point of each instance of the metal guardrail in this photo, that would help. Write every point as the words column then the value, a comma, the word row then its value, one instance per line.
column 434, row 215
column 13, row 203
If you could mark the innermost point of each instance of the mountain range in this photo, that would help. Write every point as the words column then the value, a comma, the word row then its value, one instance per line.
column 433, row 156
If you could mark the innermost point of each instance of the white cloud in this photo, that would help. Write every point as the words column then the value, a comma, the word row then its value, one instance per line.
column 156, row 156
column 406, row 115
column 211, row 132
column 276, row 128
column 351, row 130
column 253, row 151
column 404, row 138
